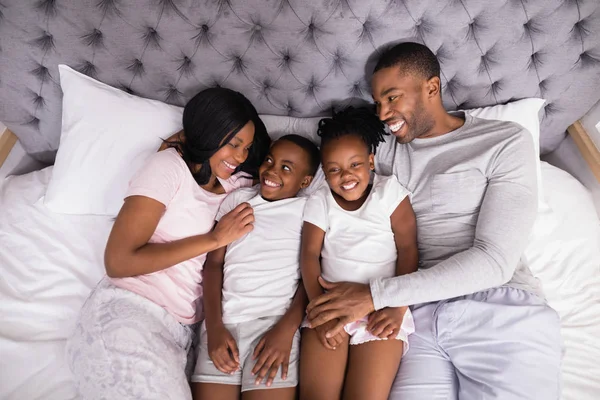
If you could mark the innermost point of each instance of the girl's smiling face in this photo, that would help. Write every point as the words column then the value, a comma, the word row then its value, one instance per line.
column 347, row 164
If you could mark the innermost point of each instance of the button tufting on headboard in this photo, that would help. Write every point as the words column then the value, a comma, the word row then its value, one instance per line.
column 295, row 57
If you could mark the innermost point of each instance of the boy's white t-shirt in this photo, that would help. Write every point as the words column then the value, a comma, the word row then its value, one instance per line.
column 359, row 245
column 262, row 269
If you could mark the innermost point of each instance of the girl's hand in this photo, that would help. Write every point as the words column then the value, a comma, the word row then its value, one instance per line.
column 273, row 351
column 234, row 224
column 332, row 342
column 386, row 322
column 222, row 349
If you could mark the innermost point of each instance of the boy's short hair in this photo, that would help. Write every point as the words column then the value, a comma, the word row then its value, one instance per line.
column 311, row 149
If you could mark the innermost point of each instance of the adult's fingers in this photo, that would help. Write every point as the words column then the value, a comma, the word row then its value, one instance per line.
column 319, row 318
column 248, row 219
column 320, row 301
column 242, row 207
column 323, row 313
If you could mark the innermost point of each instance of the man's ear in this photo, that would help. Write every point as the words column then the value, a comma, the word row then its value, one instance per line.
column 306, row 181
column 432, row 87
column 372, row 162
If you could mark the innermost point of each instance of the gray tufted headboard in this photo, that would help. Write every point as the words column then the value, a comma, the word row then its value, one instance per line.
column 294, row 57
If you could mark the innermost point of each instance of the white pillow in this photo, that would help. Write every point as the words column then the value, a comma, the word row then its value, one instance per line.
column 524, row 112
column 106, row 136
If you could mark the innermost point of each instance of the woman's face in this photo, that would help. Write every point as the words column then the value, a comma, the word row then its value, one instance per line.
column 224, row 162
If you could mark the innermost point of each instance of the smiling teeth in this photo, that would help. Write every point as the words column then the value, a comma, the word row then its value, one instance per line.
column 396, row 127
column 230, row 166
column 350, row 186
column 271, row 183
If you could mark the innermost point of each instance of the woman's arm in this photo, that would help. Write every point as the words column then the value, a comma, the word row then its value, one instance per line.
column 404, row 226
column 128, row 252
column 310, row 264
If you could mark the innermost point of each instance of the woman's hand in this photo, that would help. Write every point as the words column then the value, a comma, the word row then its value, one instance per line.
column 273, row 351
column 234, row 225
column 222, row 349
column 386, row 322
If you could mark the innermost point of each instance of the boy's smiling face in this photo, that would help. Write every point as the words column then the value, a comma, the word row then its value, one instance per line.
column 284, row 171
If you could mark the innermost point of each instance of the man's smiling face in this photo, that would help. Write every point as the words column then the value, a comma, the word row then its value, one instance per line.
column 401, row 100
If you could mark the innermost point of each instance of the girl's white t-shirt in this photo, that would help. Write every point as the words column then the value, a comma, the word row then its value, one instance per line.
column 359, row 245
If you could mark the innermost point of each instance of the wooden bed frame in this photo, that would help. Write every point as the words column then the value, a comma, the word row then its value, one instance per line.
column 585, row 144
column 7, row 141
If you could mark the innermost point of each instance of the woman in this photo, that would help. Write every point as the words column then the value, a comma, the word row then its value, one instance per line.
column 135, row 331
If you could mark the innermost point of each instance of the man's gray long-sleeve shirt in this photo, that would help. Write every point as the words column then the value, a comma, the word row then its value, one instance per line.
column 475, row 199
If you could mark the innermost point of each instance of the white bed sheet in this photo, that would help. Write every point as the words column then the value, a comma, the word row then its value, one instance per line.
column 49, row 263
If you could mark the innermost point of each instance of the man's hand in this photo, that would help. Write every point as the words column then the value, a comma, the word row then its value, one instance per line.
column 222, row 349
column 386, row 322
column 332, row 342
column 272, row 351
column 344, row 301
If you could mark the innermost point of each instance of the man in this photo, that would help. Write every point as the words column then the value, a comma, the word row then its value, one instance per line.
column 483, row 329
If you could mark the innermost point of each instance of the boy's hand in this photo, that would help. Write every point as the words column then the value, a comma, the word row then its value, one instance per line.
column 272, row 351
column 222, row 349
column 333, row 342
column 386, row 322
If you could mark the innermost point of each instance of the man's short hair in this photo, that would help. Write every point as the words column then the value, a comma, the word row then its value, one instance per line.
column 414, row 58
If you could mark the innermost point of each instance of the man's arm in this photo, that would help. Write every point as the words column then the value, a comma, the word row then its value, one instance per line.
column 506, row 217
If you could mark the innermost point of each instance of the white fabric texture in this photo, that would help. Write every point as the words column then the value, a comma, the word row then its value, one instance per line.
column 106, row 136
column 262, row 269
column 501, row 343
column 359, row 245
column 246, row 335
column 126, row 347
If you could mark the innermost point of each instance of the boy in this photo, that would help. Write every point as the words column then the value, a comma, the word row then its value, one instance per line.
column 253, row 303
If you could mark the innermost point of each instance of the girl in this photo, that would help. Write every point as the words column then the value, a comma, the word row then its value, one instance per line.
column 134, row 332
column 355, row 230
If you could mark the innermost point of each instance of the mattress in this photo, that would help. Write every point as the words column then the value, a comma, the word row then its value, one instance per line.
column 50, row 262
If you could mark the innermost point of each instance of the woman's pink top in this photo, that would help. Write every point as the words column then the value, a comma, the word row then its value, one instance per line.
column 190, row 210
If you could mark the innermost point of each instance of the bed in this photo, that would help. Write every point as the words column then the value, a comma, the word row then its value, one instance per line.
column 293, row 60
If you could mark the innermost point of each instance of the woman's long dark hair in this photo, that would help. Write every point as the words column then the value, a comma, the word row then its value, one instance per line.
column 210, row 120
